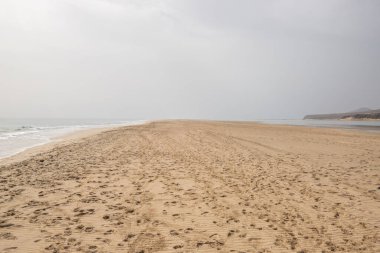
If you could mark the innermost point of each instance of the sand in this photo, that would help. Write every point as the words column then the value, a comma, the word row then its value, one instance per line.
column 188, row 186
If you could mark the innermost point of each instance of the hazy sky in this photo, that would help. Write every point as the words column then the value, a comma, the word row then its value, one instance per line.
column 231, row 59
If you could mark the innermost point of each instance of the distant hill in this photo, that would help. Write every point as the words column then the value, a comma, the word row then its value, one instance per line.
column 360, row 114
column 363, row 109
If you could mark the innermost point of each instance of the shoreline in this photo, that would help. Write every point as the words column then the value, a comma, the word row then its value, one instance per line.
column 360, row 120
column 57, row 141
column 66, row 138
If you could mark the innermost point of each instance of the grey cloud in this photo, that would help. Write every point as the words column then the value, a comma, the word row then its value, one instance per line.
column 187, row 59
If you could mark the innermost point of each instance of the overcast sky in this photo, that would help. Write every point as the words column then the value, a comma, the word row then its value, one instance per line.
column 217, row 59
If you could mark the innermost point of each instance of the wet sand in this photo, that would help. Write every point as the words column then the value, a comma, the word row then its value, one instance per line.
column 188, row 186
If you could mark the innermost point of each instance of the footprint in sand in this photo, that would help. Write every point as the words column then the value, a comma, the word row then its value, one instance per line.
column 147, row 243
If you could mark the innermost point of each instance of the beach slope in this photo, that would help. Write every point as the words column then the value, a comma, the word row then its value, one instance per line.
column 192, row 186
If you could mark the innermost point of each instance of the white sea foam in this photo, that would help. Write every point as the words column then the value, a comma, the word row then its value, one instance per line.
column 19, row 135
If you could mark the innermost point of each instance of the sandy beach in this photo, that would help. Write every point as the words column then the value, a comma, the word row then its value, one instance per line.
column 192, row 186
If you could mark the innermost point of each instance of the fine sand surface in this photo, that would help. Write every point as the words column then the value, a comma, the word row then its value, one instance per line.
column 187, row 186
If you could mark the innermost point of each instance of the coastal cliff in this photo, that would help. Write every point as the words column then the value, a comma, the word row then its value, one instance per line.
column 356, row 115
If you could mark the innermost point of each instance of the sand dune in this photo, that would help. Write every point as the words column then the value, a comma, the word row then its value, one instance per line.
column 187, row 186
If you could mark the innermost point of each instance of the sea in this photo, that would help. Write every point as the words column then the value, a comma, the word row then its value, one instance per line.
column 364, row 125
column 17, row 135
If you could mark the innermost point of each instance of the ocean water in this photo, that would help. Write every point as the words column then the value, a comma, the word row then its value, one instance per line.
column 346, row 124
column 17, row 135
